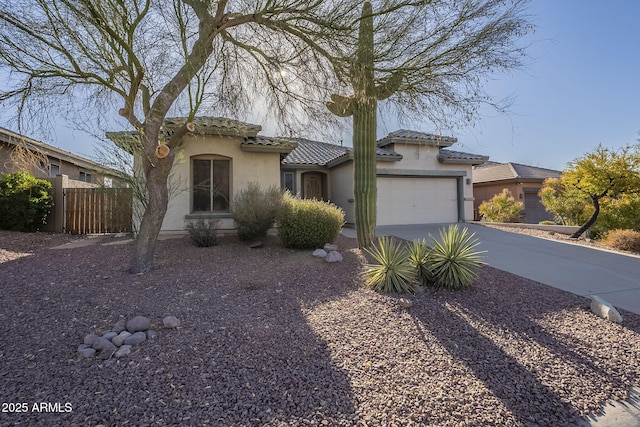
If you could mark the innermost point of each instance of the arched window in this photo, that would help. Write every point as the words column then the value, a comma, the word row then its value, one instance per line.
column 210, row 184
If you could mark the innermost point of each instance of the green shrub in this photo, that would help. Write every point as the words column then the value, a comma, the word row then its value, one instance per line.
column 394, row 271
column 453, row 261
column 501, row 208
column 308, row 224
column 626, row 240
column 547, row 222
column 25, row 201
column 419, row 258
column 255, row 210
column 203, row 231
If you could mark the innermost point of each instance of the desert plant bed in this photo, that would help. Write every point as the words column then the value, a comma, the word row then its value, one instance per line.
column 274, row 336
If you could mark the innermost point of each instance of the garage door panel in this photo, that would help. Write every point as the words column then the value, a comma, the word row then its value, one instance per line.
column 404, row 200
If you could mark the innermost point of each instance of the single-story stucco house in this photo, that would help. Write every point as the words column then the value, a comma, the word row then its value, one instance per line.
column 419, row 179
column 523, row 181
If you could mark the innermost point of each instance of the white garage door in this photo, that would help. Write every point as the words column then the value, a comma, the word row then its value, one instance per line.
column 417, row 200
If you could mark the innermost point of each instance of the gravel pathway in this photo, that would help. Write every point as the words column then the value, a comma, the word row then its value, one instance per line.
column 275, row 337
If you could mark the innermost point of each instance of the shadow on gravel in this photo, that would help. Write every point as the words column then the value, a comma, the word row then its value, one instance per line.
column 245, row 354
column 510, row 338
column 518, row 389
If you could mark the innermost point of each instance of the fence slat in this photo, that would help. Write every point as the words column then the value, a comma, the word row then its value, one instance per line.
column 98, row 210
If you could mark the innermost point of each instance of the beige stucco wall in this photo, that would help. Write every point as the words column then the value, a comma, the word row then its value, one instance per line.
column 246, row 167
column 342, row 190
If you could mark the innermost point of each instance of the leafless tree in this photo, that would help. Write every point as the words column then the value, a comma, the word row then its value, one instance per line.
column 155, row 57
column 150, row 58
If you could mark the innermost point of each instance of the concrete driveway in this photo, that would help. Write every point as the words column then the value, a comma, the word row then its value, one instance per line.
column 578, row 269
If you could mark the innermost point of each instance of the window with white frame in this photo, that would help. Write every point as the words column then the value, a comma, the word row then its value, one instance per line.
column 210, row 177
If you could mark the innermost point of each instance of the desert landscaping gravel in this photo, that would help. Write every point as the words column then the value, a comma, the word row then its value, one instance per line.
column 277, row 337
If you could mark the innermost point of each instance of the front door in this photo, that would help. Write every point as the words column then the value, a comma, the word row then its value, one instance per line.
column 313, row 185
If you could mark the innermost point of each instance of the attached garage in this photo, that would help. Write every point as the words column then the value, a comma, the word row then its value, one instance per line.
column 417, row 200
column 419, row 180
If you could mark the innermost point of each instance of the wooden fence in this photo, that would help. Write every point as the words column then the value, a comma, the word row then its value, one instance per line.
column 97, row 210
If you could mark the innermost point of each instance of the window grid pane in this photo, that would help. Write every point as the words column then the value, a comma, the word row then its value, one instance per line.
column 211, row 185
column 201, row 185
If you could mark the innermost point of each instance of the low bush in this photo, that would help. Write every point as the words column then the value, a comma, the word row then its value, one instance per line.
column 453, row 261
column 394, row 271
column 308, row 224
column 547, row 222
column 25, row 201
column 625, row 240
column 502, row 207
column 203, row 231
column 255, row 210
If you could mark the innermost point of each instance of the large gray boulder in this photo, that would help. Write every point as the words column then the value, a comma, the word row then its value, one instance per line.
column 105, row 347
column 171, row 322
column 320, row 253
column 334, row 256
column 605, row 310
column 138, row 323
column 135, row 339
column 118, row 340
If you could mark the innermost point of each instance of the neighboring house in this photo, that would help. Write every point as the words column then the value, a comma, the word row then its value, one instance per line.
column 419, row 180
column 524, row 182
column 18, row 152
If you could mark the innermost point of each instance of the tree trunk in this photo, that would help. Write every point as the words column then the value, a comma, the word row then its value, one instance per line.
column 364, row 176
column 156, row 174
column 591, row 220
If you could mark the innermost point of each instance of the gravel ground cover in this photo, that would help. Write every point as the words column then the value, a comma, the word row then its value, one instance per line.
column 275, row 337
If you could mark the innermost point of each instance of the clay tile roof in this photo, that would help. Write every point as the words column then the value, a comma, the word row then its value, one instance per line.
column 215, row 126
column 315, row 153
column 129, row 141
column 415, row 137
column 451, row 156
column 263, row 143
column 506, row 171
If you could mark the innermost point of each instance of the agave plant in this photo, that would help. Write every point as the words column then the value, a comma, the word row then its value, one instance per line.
column 394, row 272
column 454, row 260
column 419, row 258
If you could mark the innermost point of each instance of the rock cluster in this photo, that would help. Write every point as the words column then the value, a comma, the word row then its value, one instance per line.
column 329, row 253
column 123, row 335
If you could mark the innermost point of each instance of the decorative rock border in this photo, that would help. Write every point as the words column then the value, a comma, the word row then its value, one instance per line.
column 329, row 253
column 122, row 337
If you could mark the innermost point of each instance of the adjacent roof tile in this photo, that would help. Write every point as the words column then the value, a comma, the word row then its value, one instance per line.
column 263, row 143
column 215, row 126
column 311, row 152
column 315, row 153
column 506, row 171
column 451, row 156
column 415, row 137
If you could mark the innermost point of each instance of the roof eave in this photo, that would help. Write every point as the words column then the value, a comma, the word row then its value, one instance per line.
column 256, row 148
column 456, row 161
column 413, row 141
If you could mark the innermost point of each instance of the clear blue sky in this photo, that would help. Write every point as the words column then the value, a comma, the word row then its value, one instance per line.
column 581, row 89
